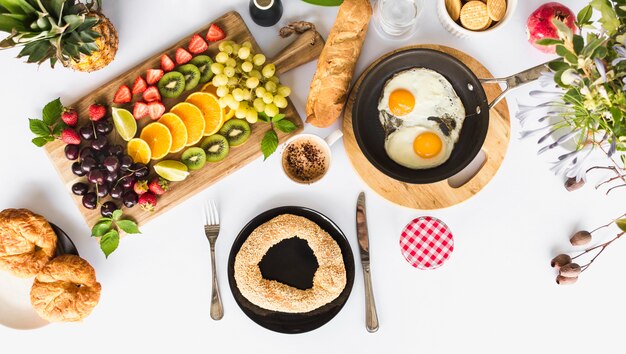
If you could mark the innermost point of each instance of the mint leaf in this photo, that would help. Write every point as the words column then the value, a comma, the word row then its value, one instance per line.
column 40, row 141
column 285, row 126
column 117, row 214
column 278, row 117
column 269, row 143
column 38, row 127
column 608, row 17
column 58, row 129
column 264, row 117
column 109, row 242
column 52, row 112
column 101, row 228
column 128, row 226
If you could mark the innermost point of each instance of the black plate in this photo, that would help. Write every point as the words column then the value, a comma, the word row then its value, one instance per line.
column 371, row 137
column 299, row 273
column 64, row 242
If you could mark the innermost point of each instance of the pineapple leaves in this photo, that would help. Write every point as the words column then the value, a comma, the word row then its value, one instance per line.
column 17, row 6
column 8, row 24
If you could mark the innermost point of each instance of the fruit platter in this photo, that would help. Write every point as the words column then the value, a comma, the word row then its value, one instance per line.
column 174, row 124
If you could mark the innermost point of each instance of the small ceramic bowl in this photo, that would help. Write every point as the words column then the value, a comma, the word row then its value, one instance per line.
column 461, row 32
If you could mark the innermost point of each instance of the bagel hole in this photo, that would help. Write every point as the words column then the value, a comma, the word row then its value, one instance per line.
column 37, row 248
column 290, row 262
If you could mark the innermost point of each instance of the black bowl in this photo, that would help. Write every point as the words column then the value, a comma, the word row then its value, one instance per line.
column 274, row 268
column 369, row 132
column 65, row 245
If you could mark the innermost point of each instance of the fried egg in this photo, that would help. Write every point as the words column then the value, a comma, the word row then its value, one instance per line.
column 418, row 147
column 422, row 116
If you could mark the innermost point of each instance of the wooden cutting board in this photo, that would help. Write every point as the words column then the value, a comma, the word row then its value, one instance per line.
column 303, row 49
column 441, row 194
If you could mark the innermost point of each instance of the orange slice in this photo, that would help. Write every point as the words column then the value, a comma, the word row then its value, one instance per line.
column 178, row 130
column 211, row 110
column 227, row 112
column 139, row 151
column 158, row 138
column 193, row 120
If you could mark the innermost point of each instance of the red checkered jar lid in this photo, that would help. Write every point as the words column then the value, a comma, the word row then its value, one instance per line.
column 426, row 242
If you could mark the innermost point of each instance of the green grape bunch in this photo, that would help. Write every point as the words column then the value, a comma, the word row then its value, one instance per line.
column 246, row 84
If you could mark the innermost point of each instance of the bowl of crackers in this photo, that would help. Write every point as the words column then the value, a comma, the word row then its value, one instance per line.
column 466, row 18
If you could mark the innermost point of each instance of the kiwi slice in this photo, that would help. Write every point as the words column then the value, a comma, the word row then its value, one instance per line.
column 203, row 62
column 191, row 74
column 216, row 147
column 171, row 84
column 236, row 131
column 194, row 158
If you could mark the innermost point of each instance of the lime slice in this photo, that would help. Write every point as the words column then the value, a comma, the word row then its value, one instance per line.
column 125, row 123
column 171, row 170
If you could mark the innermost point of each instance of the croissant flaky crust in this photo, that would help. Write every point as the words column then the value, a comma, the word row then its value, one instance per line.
column 65, row 290
column 27, row 242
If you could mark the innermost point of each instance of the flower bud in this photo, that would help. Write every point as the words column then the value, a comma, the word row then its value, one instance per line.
column 580, row 238
column 571, row 184
column 561, row 280
column 570, row 270
column 560, row 260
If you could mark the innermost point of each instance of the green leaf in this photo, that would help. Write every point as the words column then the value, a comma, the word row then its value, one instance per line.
column 58, row 129
column 584, row 15
column 38, row 127
column 109, row 242
column 600, row 52
column 286, row 126
column 264, row 117
column 592, row 45
column 549, row 41
column 128, row 226
column 269, row 143
column 557, row 65
column 566, row 54
column 40, row 141
column 101, row 228
column 325, row 2
column 8, row 24
column 117, row 214
column 73, row 21
column 17, row 6
column 277, row 117
column 579, row 43
column 52, row 112
column 565, row 31
column 608, row 18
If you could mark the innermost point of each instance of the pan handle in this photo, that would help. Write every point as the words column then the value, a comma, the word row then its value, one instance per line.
column 516, row 80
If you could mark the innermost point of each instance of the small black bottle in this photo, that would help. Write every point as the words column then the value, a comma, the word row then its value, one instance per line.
column 266, row 12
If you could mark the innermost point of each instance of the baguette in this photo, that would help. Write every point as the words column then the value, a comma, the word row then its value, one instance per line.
column 335, row 66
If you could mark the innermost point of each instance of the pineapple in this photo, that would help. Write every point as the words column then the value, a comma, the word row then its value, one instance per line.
column 71, row 32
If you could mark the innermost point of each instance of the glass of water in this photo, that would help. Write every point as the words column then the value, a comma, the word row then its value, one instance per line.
column 397, row 18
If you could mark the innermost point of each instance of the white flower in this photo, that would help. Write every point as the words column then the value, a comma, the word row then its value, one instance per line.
column 570, row 77
column 601, row 70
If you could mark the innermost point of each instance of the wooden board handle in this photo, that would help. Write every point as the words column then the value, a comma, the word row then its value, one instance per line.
column 307, row 47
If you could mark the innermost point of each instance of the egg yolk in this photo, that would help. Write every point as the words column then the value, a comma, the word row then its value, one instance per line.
column 427, row 145
column 401, row 102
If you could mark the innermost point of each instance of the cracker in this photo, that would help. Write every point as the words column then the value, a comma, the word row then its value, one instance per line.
column 454, row 9
column 474, row 15
column 496, row 9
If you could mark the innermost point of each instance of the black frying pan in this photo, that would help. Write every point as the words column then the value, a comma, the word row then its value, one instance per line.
column 369, row 132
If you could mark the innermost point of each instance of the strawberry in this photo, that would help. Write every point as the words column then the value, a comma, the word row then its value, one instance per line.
column 182, row 56
column 70, row 136
column 151, row 94
column 140, row 110
column 96, row 112
column 156, row 110
column 159, row 185
column 139, row 86
column 69, row 117
column 197, row 45
column 153, row 76
column 167, row 64
column 215, row 33
column 122, row 95
column 147, row 201
column 140, row 187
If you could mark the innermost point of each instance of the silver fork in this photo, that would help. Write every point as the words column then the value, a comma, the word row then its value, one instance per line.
column 212, row 230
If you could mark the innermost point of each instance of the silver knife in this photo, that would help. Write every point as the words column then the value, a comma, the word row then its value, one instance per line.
column 371, row 318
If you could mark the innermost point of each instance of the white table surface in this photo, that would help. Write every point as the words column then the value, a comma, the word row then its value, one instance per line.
column 496, row 294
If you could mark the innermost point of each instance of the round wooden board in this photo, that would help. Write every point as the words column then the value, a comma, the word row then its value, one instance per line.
column 440, row 194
